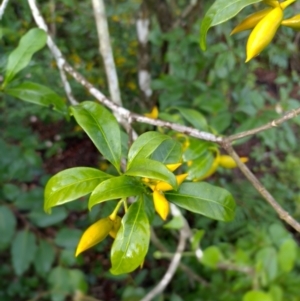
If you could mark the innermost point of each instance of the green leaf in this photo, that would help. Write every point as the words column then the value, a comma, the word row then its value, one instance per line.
column 66, row 281
column 42, row 220
column 59, row 283
column 77, row 280
column 276, row 292
column 23, row 251
column 34, row 40
column 38, row 94
column 211, row 257
column 131, row 244
column 151, row 169
column 201, row 166
column 44, row 257
column 7, row 226
column 203, row 198
column 195, row 118
column 196, row 149
column 168, row 152
column 176, row 222
column 145, row 145
column 11, row 192
column 267, row 257
column 196, row 239
column 102, row 128
column 68, row 238
column 71, row 184
column 116, row 188
column 287, row 255
column 257, row 296
column 220, row 12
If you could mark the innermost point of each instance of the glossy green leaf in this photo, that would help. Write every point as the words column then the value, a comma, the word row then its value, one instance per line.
column 7, row 226
column 287, row 255
column 151, row 169
column 200, row 166
column 38, row 94
column 23, row 251
column 257, row 296
column 116, row 188
column 205, row 199
column 145, row 145
column 221, row 11
column 34, row 40
column 71, row 184
column 196, row 149
column 211, row 257
column 42, row 220
column 168, row 152
column 195, row 118
column 102, row 128
column 267, row 258
column 131, row 244
column 44, row 257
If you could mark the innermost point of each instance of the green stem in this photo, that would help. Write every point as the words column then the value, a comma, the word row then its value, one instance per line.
column 115, row 212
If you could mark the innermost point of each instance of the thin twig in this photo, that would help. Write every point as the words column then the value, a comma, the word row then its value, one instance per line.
column 190, row 273
column 162, row 284
column 232, row 267
column 272, row 124
column 188, row 10
column 284, row 215
column 106, row 51
column 127, row 115
column 54, row 50
column 3, row 7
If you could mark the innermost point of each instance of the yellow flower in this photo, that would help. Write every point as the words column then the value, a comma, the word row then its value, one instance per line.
column 228, row 162
column 94, row 234
column 164, row 186
column 153, row 114
column 161, row 204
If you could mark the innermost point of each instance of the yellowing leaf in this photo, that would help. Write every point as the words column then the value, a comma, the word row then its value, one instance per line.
column 94, row 234
column 161, row 204
column 228, row 162
column 153, row 114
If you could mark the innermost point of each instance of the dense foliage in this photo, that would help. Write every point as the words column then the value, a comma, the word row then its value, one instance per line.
column 251, row 256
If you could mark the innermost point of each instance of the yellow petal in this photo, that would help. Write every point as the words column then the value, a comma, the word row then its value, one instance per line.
column 116, row 226
column 228, row 162
column 263, row 33
column 94, row 234
column 251, row 21
column 153, row 114
column 181, row 178
column 161, row 204
column 164, row 186
column 173, row 167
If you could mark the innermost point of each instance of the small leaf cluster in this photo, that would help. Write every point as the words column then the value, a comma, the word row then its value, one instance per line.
column 146, row 173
